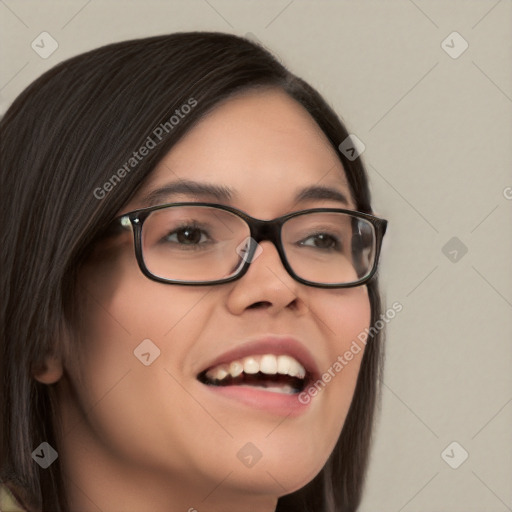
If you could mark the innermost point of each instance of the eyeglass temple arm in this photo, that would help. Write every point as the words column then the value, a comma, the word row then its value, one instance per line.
column 118, row 226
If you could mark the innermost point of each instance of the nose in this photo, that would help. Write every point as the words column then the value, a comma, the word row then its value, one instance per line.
column 266, row 284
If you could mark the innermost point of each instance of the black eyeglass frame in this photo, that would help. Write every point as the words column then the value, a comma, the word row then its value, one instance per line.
column 260, row 230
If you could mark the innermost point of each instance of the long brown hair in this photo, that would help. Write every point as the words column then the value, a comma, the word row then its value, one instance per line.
column 62, row 139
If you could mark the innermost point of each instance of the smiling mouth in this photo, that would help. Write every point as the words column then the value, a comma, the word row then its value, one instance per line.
column 278, row 374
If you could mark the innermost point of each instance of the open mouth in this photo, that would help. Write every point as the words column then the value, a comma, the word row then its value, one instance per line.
column 278, row 374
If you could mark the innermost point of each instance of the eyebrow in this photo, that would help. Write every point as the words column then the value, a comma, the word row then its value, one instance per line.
column 219, row 193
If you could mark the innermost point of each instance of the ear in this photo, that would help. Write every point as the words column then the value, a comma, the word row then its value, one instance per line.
column 49, row 371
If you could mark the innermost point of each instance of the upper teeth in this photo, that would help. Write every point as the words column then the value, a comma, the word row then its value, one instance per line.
column 268, row 364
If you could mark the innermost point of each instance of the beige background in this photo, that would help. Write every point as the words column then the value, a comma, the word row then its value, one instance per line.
column 437, row 132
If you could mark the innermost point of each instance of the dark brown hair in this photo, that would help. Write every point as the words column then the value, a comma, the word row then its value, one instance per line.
column 65, row 136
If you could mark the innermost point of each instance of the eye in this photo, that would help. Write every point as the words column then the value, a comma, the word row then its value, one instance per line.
column 191, row 235
column 322, row 241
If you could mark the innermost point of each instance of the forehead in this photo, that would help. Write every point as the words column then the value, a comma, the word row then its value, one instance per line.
column 261, row 144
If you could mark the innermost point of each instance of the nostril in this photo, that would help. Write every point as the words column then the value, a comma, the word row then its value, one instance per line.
column 260, row 303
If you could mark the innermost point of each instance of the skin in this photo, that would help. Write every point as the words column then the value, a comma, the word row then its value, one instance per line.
column 150, row 438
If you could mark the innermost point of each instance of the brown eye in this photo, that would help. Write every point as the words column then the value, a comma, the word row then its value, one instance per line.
column 322, row 241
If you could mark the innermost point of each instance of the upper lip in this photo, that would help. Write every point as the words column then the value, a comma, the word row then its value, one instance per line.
column 269, row 344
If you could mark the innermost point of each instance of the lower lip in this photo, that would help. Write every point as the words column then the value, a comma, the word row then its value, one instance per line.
column 279, row 404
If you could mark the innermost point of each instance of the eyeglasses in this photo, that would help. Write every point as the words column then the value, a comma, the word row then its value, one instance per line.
column 206, row 243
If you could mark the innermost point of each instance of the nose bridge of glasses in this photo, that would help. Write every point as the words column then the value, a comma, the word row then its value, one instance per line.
column 262, row 230
column 265, row 230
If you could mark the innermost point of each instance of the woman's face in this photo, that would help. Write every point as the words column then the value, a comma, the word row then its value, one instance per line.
column 156, row 425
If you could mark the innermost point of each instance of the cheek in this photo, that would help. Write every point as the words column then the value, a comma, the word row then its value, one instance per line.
column 345, row 315
column 121, row 307
column 346, row 318
column 120, row 394
column 123, row 315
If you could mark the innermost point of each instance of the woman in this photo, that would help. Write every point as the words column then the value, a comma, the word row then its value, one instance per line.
column 165, row 346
